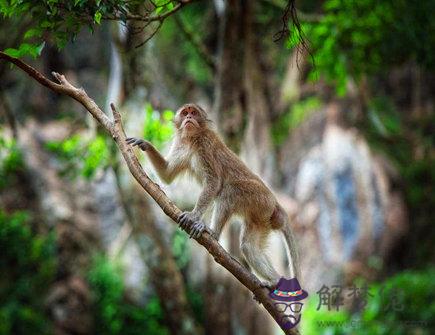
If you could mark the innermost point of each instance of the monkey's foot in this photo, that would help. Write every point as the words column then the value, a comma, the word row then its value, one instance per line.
column 191, row 224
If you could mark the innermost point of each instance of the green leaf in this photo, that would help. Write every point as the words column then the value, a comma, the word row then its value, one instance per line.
column 12, row 52
column 97, row 17
column 46, row 24
column 34, row 32
column 170, row 6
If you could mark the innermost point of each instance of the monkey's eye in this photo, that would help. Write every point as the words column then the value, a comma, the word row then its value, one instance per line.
column 194, row 112
column 184, row 112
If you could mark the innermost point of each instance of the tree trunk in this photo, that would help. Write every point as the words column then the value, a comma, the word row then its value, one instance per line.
column 241, row 112
column 257, row 150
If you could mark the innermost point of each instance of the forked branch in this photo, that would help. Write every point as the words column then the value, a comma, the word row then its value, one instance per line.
column 116, row 130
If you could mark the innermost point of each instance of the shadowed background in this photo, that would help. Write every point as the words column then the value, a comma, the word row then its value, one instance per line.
column 341, row 130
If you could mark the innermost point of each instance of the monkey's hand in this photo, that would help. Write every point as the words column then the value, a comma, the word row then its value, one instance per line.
column 142, row 144
column 191, row 223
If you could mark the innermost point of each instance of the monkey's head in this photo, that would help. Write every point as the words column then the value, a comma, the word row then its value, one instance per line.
column 190, row 119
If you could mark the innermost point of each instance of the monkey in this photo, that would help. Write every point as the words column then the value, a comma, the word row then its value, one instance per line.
column 228, row 185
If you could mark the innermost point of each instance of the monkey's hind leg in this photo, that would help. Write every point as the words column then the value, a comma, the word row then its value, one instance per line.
column 221, row 214
column 252, row 246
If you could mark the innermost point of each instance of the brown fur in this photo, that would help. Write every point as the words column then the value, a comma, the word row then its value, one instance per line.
column 227, row 182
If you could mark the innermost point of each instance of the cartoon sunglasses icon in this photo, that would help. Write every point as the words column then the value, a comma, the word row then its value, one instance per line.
column 282, row 307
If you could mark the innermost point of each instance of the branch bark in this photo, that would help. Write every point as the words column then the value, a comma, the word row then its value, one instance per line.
column 116, row 130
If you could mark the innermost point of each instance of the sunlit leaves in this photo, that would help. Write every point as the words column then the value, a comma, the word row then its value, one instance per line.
column 97, row 17
column 158, row 127
column 163, row 6
column 81, row 157
column 95, row 156
column 25, row 49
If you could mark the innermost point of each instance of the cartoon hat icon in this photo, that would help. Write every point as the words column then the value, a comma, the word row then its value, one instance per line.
column 288, row 290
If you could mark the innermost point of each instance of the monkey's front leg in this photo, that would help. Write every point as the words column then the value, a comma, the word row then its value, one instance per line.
column 191, row 221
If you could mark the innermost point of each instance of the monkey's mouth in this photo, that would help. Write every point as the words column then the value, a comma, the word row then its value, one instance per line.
column 189, row 123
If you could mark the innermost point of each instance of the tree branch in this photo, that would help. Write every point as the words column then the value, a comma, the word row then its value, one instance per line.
column 147, row 18
column 116, row 130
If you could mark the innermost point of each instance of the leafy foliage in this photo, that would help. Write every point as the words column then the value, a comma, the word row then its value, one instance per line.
column 108, row 288
column 112, row 313
column 403, row 304
column 11, row 160
column 365, row 37
column 25, row 49
column 81, row 157
column 62, row 20
column 158, row 127
column 28, row 266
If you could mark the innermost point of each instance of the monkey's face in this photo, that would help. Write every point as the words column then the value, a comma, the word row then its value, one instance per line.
column 190, row 118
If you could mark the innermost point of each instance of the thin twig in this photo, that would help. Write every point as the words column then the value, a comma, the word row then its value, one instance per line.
column 150, row 36
column 303, row 16
column 199, row 47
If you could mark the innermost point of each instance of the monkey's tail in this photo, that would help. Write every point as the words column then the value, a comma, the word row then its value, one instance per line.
column 292, row 253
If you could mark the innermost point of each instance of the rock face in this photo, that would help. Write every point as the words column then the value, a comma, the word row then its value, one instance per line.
column 349, row 214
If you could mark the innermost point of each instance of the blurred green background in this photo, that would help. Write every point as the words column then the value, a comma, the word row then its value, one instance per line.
column 337, row 116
